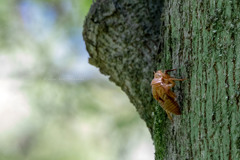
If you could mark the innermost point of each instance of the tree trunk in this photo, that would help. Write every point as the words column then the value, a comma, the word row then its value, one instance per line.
column 130, row 40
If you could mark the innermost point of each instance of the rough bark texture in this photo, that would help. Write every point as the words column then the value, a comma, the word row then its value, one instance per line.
column 122, row 39
column 199, row 38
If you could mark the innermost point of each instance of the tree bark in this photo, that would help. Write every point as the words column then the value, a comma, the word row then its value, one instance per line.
column 130, row 40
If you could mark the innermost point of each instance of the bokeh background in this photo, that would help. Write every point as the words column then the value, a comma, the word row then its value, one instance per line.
column 53, row 104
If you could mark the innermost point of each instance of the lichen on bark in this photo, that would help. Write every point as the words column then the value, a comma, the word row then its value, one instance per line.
column 202, row 39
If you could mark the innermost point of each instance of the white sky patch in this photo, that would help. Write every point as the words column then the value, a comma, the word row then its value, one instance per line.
column 143, row 151
column 14, row 106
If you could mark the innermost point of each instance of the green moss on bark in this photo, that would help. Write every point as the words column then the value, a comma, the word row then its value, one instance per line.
column 202, row 38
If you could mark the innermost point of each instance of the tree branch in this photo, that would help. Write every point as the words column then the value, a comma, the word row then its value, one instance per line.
column 122, row 39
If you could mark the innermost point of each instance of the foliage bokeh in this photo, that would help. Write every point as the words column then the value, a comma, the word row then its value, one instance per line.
column 68, row 110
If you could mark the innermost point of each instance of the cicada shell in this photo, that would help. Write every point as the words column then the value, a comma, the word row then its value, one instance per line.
column 161, row 90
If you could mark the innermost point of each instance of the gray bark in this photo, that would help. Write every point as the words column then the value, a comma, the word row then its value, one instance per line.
column 122, row 39
column 130, row 40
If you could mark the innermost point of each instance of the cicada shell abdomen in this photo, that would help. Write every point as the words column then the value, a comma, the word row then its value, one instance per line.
column 170, row 105
column 166, row 100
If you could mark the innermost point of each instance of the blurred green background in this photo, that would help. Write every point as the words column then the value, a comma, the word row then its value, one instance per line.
column 54, row 105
